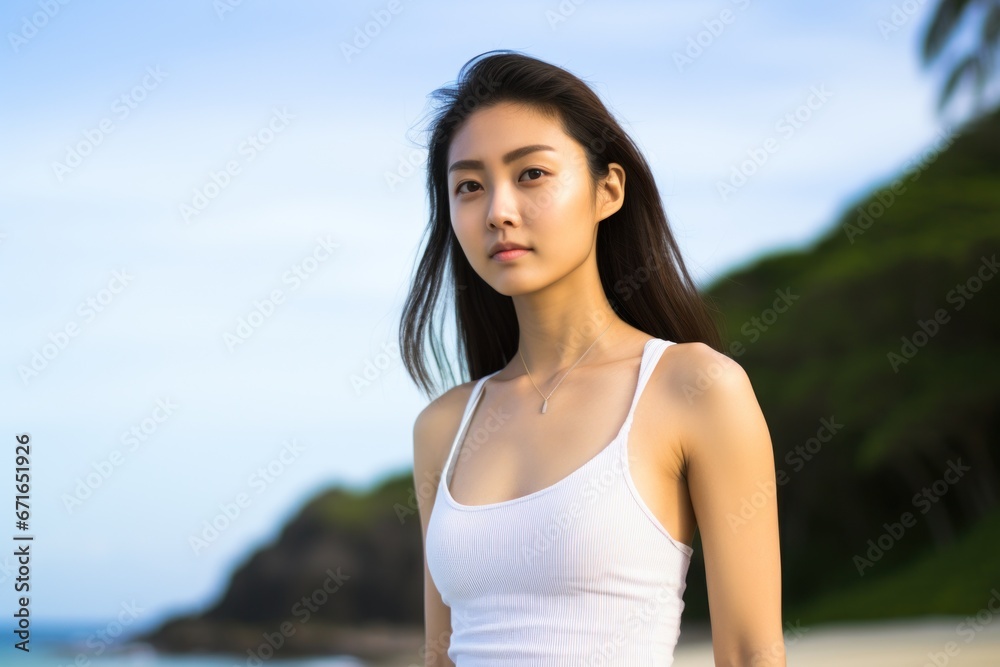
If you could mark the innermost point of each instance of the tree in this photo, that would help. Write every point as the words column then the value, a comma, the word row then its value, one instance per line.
column 976, row 66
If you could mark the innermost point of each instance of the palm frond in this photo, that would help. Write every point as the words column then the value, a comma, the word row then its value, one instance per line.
column 942, row 26
column 968, row 68
column 991, row 27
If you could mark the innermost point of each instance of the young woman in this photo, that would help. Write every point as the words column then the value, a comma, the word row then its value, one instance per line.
column 602, row 426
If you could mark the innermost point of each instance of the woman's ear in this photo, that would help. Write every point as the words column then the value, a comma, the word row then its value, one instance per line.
column 611, row 191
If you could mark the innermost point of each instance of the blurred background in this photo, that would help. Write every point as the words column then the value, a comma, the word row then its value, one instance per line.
column 211, row 211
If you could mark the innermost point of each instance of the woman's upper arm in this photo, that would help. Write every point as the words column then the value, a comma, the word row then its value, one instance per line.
column 731, row 479
column 430, row 442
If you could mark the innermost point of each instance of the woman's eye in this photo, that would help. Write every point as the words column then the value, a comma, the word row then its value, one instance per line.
column 458, row 189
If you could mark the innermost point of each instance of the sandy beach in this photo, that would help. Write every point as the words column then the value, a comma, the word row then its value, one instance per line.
column 934, row 642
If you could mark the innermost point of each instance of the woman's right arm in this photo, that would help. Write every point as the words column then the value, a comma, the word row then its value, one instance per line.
column 431, row 442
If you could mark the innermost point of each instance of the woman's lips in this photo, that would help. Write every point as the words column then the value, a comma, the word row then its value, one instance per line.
column 508, row 255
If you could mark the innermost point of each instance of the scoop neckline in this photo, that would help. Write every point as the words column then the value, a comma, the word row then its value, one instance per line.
column 623, row 430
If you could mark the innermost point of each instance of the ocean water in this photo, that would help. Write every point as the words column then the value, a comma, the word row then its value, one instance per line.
column 65, row 645
column 48, row 657
column 51, row 658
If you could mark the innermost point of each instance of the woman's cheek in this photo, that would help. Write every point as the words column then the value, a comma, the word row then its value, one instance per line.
column 543, row 203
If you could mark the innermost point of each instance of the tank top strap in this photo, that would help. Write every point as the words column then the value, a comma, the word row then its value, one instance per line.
column 650, row 355
column 477, row 389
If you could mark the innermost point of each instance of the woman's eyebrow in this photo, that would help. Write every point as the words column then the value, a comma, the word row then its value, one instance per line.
column 507, row 158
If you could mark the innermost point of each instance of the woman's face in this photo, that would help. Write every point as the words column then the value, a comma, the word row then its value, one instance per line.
column 514, row 176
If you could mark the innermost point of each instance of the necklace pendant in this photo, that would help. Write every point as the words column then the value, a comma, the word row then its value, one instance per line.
column 545, row 406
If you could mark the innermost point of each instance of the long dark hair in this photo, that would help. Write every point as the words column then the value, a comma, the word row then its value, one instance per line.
column 640, row 265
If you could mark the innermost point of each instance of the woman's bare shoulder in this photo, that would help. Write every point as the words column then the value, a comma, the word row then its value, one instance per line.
column 693, row 369
column 699, row 385
column 437, row 425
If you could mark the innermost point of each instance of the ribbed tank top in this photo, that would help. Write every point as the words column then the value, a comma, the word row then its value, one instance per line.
column 578, row 573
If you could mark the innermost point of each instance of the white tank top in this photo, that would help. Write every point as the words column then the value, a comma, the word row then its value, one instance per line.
column 578, row 573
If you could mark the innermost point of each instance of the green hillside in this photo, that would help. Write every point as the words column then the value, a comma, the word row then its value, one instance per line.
column 957, row 580
column 895, row 334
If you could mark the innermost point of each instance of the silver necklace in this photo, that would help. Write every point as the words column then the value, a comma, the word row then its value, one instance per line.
column 545, row 401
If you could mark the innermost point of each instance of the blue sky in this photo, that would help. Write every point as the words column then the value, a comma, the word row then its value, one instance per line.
column 135, row 299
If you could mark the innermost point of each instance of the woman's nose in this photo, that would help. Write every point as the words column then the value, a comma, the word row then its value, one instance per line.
column 503, row 208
